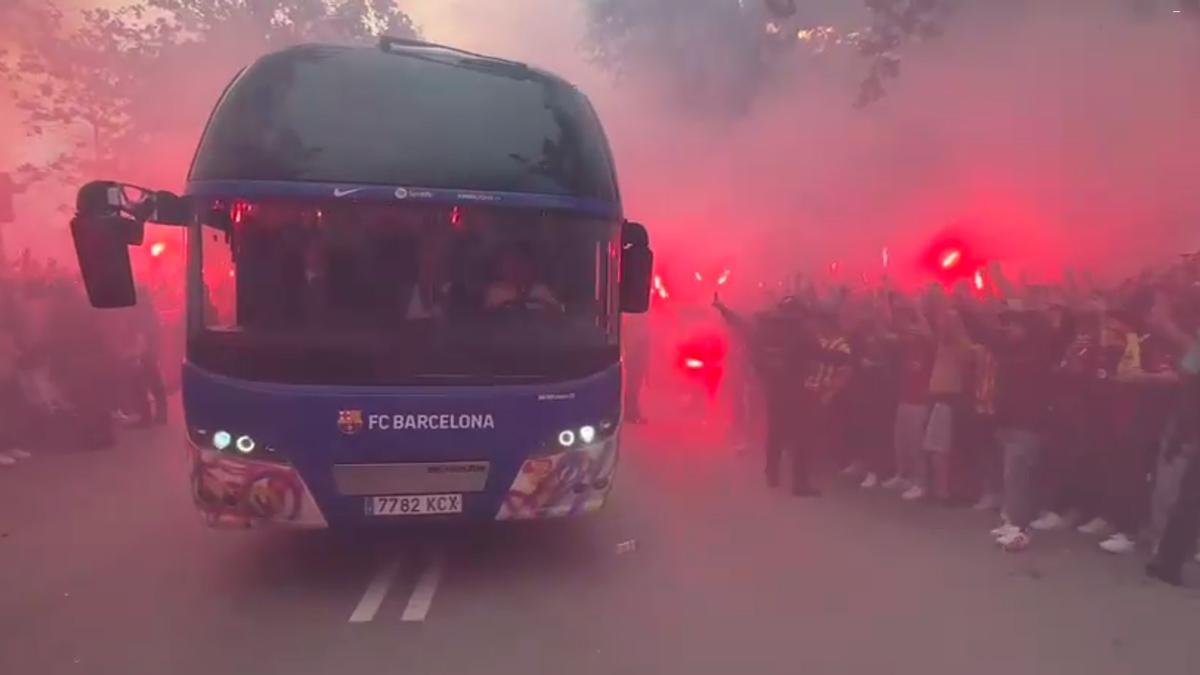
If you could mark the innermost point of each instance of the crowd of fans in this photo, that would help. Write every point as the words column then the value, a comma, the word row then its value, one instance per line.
column 71, row 375
column 1058, row 406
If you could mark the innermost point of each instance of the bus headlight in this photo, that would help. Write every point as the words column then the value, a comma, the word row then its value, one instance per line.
column 228, row 442
column 245, row 445
column 587, row 433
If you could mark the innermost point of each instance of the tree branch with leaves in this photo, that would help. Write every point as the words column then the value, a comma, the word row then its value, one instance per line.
column 119, row 81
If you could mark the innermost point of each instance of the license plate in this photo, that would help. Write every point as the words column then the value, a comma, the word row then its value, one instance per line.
column 414, row 505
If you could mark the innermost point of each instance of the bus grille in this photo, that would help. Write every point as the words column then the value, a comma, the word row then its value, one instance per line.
column 410, row 479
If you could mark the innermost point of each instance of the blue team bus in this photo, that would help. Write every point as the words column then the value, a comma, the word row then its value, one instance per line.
column 406, row 271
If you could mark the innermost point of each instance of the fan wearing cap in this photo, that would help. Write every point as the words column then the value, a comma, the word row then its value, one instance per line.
column 780, row 342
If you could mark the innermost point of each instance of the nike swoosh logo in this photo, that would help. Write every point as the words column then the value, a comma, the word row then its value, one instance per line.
column 338, row 192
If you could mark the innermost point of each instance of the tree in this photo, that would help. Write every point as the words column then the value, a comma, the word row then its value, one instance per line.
column 275, row 24
column 899, row 22
column 707, row 53
column 895, row 23
column 77, row 79
column 737, row 44
column 132, row 87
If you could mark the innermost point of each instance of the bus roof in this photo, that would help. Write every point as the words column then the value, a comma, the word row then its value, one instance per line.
column 406, row 114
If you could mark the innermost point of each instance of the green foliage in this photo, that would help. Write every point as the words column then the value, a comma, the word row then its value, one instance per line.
column 706, row 53
column 121, row 82
column 730, row 49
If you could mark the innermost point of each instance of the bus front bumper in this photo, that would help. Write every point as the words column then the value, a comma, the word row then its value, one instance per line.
column 239, row 493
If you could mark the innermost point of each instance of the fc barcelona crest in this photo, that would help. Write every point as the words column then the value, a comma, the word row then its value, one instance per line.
column 350, row 422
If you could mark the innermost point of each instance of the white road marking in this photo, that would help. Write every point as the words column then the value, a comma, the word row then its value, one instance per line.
column 376, row 592
column 422, row 595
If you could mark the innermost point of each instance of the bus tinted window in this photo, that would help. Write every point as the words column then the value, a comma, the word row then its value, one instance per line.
column 336, row 115
column 336, row 293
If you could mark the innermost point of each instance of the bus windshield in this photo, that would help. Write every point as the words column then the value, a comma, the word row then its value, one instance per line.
column 364, row 294
column 333, row 115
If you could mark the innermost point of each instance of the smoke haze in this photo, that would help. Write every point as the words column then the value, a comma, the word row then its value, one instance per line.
column 1049, row 133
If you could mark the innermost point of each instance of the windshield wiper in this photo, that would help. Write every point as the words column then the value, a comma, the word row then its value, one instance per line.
column 477, row 376
column 467, row 59
column 393, row 44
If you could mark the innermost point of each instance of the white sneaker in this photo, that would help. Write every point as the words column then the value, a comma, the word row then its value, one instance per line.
column 1049, row 521
column 1005, row 530
column 987, row 502
column 854, row 469
column 1097, row 525
column 1118, row 543
column 870, row 482
column 5, row 460
column 896, row 483
column 1016, row 542
column 17, row 453
column 913, row 493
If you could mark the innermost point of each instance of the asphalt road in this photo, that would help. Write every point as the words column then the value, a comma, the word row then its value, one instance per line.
column 104, row 568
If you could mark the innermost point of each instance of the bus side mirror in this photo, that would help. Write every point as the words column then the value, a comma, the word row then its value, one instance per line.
column 102, row 248
column 637, row 268
column 109, row 218
column 102, row 238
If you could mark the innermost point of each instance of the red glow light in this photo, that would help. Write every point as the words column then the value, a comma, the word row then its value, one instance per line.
column 701, row 358
column 721, row 280
column 979, row 280
column 952, row 257
column 659, row 288
column 157, row 249
column 239, row 211
column 699, row 277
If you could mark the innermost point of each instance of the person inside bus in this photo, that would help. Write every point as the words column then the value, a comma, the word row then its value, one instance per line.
column 517, row 286
column 428, row 290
